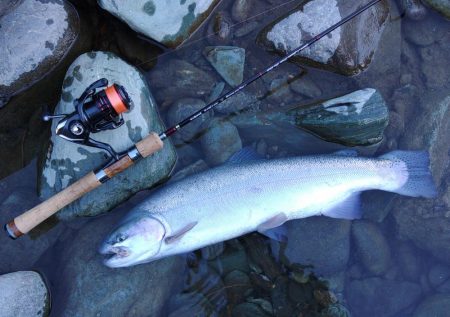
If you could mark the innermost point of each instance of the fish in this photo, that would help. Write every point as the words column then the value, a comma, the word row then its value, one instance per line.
column 251, row 194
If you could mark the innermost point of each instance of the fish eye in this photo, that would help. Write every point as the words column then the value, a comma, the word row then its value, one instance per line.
column 120, row 238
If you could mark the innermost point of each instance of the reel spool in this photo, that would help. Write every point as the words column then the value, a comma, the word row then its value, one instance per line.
column 94, row 112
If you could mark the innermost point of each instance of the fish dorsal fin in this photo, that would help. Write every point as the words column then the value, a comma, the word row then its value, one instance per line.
column 346, row 152
column 350, row 208
column 246, row 154
column 180, row 233
column 273, row 222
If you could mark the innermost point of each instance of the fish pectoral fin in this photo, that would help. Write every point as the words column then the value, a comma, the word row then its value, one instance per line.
column 180, row 233
column 349, row 208
column 273, row 222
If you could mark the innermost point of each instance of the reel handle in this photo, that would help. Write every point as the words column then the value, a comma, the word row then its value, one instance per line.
column 23, row 223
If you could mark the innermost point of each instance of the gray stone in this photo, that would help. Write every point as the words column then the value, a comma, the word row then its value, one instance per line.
column 24, row 293
column 424, row 32
column 249, row 310
column 238, row 286
column 91, row 288
column 306, row 87
column 220, row 29
column 170, row 23
column 242, row 100
column 321, row 242
column 347, row 50
column 196, row 167
column 66, row 162
column 212, row 251
column 409, row 260
column 335, row 310
column 179, row 79
column 441, row 6
column 414, row 9
column 279, row 92
column 220, row 141
column 191, row 304
column 241, row 10
column 434, row 305
column 378, row 297
column 434, row 63
column 438, row 275
column 228, row 61
column 230, row 261
column 371, row 246
column 182, row 109
column 247, row 28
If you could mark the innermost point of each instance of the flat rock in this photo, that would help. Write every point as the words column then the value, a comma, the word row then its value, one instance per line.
column 228, row 61
column 24, row 293
column 170, row 22
column 321, row 242
column 66, row 162
column 379, row 297
column 347, row 50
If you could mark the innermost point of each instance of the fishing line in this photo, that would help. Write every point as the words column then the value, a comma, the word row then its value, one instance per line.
column 183, row 46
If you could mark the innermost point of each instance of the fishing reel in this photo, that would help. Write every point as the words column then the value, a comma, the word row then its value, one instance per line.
column 95, row 111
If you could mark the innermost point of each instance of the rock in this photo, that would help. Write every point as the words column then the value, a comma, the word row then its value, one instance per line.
column 424, row 32
column 335, row 310
column 348, row 50
column 247, row 28
column 66, row 162
column 434, row 64
column 321, row 242
column 197, row 167
column 438, row 275
column 280, row 299
column 220, row 29
column 32, row 70
column 414, row 9
column 179, row 79
column 409, row 260
column 23, row 294
column 182, row 109
column 212, row 251
column 191, row 304
column 241, row 10
column 238, row 286
column 220, row 141
column 279, row 92
column 91, row 288
column 435, row 305
column 170, row 23
column 371, row 246
column 228, row 61
column 306, row 87
column 242, row 100
column 230, row 261
column 187, row 155
column 376, row 205
column 378, row 297
column 18, row 194
column 249, row 310
column 358, row 118
column 441, row 6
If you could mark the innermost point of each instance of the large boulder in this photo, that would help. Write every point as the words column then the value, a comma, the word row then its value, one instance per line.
column 435, row 305
column 66, row 162
column 442, row 6
column 39, row 41
column 347, row 50
column 92, row 289
column 24, row 293
column 169, row 22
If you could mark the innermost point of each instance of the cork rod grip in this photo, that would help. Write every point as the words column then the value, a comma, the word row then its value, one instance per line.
column 25, row 222
column 149, row 145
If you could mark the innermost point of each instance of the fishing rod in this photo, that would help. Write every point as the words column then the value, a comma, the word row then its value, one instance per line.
column 107, row 113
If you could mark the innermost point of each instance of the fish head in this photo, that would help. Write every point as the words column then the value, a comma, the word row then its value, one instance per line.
column 135, row 241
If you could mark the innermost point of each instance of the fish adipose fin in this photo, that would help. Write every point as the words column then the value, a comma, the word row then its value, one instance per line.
column 350, row 208
column 246, row 154
column 180, row 233
column 412, row 168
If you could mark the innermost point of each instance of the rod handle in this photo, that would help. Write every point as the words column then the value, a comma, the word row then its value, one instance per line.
column 23, row 223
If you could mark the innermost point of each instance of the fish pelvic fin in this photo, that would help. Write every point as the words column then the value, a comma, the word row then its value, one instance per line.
column 273, row 227
column 411, row 170
column 349, row 208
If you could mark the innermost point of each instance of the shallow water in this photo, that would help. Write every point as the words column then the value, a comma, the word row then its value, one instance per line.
column 410, row 79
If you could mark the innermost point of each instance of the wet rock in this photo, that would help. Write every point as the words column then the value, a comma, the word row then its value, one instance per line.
column 197, row 167
column 179, row 79
column 91, row 288
column 335, row 310
column 18, row 194
column 434, row 305
column 241, row 10
column 441, row 6
column 306, row 87
column 230, row 261
column 376, row 205
column 425, row 32
column 438, row 275
column 187, row 155
column 242, row 100
column 414, row 9
column 182, row 109
column 24, row 293
column 228, row 61
column 409, row 260
column 247, row 28
column 238, row 286
column 191, row 304
column 371, row 246
column 378, row 297
column 220, row 141
column 358, row 118
column 32, row 70
column 249, row 310
column 212, row 251
column 321, row 242
column 280, row 299
column 348, row 50
column 435, row 63
column 66, row 162
column 170, row 23
column 220, row 29
column 278, row 90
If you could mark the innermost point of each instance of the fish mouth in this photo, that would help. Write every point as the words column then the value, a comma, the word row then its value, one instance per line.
column 113, row 255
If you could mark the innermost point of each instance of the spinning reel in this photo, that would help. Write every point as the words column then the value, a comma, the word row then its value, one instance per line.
column 94, row 112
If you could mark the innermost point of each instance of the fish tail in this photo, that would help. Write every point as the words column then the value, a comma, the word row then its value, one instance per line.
column 411, row 171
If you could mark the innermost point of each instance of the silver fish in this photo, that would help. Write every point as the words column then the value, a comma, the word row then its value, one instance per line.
column 258, row 195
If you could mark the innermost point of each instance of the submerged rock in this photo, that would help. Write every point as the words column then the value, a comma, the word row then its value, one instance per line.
column 66, row 162
column 380, row 297
column 347, row 50
column 228, row 61
column 414, row 9
column 170, row 22
column 90, row 288
column 441, row 6
column 435, row 305
column 220, row 29
column 23, row 294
